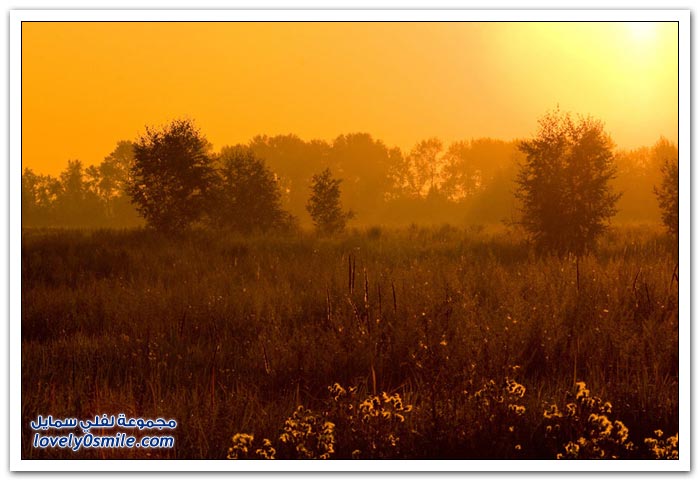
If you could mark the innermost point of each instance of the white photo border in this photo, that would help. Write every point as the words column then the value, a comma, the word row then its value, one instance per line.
column 16, row 17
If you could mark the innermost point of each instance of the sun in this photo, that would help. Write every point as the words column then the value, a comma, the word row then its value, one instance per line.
column 641, row 31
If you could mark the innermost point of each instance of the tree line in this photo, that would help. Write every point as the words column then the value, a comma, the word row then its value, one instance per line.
column 380, row 184
column 92, row 196
column 171, row 178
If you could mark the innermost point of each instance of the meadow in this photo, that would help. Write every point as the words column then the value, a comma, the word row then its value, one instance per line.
column 408, row 343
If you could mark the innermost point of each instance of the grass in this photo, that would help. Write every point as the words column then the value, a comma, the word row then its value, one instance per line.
column 230, row 335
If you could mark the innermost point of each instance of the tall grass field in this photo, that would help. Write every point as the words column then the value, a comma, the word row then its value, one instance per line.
column 416, row 343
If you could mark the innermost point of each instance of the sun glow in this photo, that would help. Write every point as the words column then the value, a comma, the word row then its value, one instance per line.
column 86, row 86
column 642, row 31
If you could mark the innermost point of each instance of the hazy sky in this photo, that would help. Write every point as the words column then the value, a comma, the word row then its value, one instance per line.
column 86, row 86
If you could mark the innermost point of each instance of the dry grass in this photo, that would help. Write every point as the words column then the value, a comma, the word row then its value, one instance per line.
column 229, row 335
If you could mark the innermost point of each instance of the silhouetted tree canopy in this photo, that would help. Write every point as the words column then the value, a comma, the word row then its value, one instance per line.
column 493, row 200
column 471, row 166
column 39, row 194
column 422, row 168
column 248, row 196
column 115, row 169
column 324, row 204
column 469, row 182
column 667, row 192
column 364, row 163
column 564, row 183
column 76, row 203
column 171, row 176
column 110, row 181
column 294, row 161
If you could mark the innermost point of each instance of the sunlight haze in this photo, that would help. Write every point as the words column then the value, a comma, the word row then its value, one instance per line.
column 85, row 86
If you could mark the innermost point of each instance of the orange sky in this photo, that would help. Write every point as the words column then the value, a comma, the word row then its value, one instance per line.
column 86, row 86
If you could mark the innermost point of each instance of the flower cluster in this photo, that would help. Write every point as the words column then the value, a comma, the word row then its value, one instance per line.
column 338, row 392
column 242, row 445
column 371, row 426
column 309, row 435
column 242, row 448
column 384, row 406
column 514, row 388
column 491, row 395
column 267, row 451
column 377, row 426
column 584, row 428
column 497, row 413
column 663, row 448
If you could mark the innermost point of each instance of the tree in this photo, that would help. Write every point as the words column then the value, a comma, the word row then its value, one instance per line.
column 39, row 194
column 364, row 164
column 294, row 161
column 564, row 183
column 248, row 195
column 76, row 204
column 494, row 202
column 667, row 192
column 461, row 177
column 114, row 170
column 424, row 166
column 324, row 204
column 171, row 176
column 470, row 166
